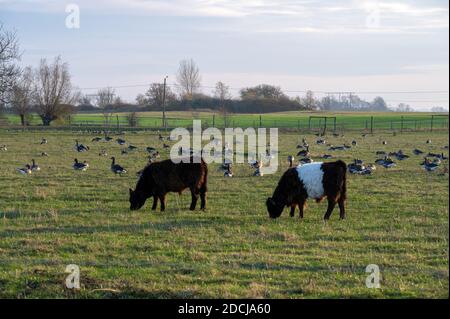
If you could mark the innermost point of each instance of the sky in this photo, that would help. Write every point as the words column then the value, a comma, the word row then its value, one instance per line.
column 396, row 49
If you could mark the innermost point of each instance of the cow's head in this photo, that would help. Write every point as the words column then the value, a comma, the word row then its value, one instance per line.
column 275, row 209
column 137, row 199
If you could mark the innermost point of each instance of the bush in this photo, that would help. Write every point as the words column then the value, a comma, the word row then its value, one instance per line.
column 132, row 119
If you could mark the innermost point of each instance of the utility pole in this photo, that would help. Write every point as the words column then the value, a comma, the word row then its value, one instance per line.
column 164, row 103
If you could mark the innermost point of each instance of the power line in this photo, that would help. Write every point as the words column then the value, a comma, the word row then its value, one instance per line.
column 289, row 91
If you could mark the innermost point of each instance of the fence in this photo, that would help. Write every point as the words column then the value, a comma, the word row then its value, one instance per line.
column 315, row 123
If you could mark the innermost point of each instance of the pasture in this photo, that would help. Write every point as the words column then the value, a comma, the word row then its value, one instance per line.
column 397, row 218
column 289, row 120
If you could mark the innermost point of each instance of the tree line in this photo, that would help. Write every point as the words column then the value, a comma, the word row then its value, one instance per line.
column 47, row 91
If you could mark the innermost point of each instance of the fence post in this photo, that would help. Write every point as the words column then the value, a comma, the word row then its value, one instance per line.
column 401, row 128
column 371, row 125
column 214, row 120
column 260, row 120
column 117, row 118
column 298, row 125
column 431, row 127
column 309, row 124
column 334, row 126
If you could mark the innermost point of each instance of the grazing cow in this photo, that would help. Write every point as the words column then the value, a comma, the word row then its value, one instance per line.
column 316, row 181
column 160, row 178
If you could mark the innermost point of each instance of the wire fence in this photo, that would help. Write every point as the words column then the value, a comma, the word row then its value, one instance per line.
column 317, row 123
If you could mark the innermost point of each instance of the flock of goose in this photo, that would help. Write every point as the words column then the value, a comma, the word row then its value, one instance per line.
column 431, row 161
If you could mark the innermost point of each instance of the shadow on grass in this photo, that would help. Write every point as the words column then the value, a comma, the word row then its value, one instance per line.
column 129, row 228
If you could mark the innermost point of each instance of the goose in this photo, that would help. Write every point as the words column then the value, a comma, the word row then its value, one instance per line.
column 81, row 147
column 384, row 143
column 347, row 146
column 445, row 147
column 356, row 167
column 354, row 143
column 380, row 153
column 44, row 154
column 34, row 166
column 336, row 148
column 428, row 142
column 363, row 135
column 443, row 157
column 44, row 141
column 80, row 166
column 116, row 168
column 132, row 147
column 166, row 146
column 124, row 152
column 120, row 141
column 305, row 160
column 290, row 159
column 417, row 151
column 388, row 163
column 3, row 148
column 150, row 149
column 255, row 164
column 304, row 153
column 429, row 166
column 25, row 170
column 161, row 138
column 96, row 139
column 327, row 156
column 320, row 141
column 335, row 134
column 108, row 138
column 400, row 156
column 228, row 172
column 258, row 171
column 357, row 161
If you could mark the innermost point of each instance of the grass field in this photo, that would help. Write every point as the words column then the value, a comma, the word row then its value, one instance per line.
column 396, row 218
column 344, row 120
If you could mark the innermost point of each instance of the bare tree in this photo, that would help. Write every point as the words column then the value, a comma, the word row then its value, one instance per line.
column 188, row 78
column 9, row 55
column 53, row 91
column 222, row 93
column 22, row 95
column 309, row 102
column 105, row 101
column 141, row 100
column 155, row 95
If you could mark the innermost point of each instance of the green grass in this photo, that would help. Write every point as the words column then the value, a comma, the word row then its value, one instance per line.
column 397, row 219
column 344, row 120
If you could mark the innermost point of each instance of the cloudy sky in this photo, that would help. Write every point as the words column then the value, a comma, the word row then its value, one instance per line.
column 397, row 49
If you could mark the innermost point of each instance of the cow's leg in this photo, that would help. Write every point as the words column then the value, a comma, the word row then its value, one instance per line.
column 203, row 198
column 301, row 206
column 155, row 202
column 341, row 203
column 331, row 204
column 162, row 199
column 194, row 195
column 292, row 213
